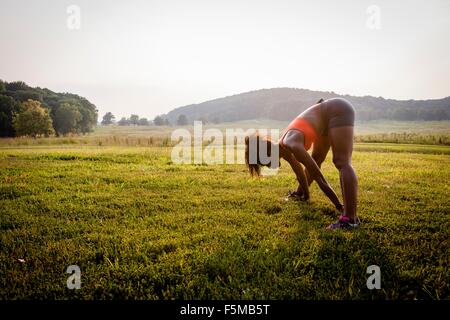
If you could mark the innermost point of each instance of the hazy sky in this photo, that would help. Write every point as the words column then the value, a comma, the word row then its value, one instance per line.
column 147, row 57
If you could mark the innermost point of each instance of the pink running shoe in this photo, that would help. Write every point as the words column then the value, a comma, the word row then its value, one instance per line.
column 344, row 222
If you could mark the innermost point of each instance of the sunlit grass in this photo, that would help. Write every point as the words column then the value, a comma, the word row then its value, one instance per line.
column 141, row 227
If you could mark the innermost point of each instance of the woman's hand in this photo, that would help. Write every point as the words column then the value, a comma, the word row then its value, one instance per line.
column 301, row 194
column 297, row 195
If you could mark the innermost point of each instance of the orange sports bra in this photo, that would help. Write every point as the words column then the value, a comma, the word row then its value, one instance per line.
column 305, row 127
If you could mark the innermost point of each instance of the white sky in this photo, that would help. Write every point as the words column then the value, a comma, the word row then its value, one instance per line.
column 148, row 57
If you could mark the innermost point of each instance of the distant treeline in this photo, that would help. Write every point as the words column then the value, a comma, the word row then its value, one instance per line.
column 135, row 120
column 35, row 111
column 286, row 103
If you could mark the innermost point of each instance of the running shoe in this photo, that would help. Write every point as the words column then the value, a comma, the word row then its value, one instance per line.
column 344, row 222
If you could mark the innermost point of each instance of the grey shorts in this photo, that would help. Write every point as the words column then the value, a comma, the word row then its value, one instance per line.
column 337, row 112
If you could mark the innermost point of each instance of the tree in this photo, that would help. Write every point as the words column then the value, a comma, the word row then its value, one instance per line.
column 203, row 119
column 159, row 121
column 134, row 119
column 8, row 108
column 143, row 122
column 123, row 122
column 32, row 120
column 88, row 111
column 16, row 85
column 108, row 119
column 215, row 120
column 182, row 120
column 66, row 118
column 88, row 118
column 25, row 95
column 21, row 92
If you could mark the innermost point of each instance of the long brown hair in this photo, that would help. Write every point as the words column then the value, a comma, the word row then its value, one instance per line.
column 255, row 168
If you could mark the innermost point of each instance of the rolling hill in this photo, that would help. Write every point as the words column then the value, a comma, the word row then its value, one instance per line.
column 286, row 103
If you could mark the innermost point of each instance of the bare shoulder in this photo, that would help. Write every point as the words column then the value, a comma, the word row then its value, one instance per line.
column 293, row 139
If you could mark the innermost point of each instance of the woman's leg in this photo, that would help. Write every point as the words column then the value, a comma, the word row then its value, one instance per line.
column 341, row 139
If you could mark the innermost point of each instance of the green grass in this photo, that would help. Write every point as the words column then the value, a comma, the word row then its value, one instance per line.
column 141, row 227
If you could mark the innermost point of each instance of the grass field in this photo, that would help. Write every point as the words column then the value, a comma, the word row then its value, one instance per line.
column 141, row 227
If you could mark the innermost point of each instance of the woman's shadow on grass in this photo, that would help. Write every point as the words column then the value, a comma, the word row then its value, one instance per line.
column 343, row 257
column 313, row 263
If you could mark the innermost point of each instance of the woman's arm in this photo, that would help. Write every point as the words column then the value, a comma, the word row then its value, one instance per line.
column 303, row 157
column 300, row 174
column 319, row 153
